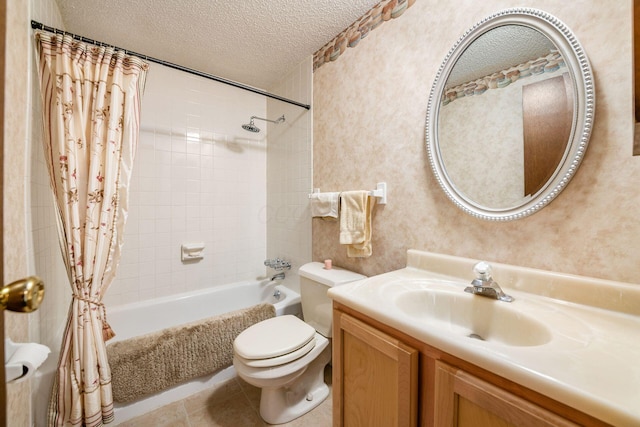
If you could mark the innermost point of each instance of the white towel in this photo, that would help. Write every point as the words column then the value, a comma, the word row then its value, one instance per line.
column 325, row 205
column 355, row 223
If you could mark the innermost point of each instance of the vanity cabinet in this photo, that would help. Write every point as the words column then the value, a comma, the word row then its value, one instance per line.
column 375, row 376
column 463, row 400
column 383, row 377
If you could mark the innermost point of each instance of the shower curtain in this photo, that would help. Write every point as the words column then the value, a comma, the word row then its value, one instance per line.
column 91, row 106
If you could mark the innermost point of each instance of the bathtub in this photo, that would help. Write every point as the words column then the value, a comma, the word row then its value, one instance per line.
column 137, row 319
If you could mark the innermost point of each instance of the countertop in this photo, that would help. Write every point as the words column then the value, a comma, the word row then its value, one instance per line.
column 592, row 361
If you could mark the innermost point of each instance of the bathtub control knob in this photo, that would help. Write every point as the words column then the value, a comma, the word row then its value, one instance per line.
column 310, row 397
column 278, row 264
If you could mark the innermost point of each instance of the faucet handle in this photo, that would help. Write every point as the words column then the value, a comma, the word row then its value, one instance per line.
column 482, row 270
column 278, row 264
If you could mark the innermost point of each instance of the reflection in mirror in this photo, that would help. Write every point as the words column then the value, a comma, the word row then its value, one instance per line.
column 512, row 92
column 510, row 114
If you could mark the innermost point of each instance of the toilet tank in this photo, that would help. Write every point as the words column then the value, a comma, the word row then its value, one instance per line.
column 315, row 281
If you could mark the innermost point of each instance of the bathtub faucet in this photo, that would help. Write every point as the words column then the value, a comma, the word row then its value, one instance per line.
column 278, row 264
column 279, row 276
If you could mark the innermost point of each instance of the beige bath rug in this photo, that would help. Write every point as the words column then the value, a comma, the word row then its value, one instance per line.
column 151, row 363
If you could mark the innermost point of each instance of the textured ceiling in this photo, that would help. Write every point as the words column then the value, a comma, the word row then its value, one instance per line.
column 508, row 45
column 255, row 42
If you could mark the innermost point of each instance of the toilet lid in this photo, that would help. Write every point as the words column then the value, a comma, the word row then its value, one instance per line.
column 280, row 360
column 273, row 337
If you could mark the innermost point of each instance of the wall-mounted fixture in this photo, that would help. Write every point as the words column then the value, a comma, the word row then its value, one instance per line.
column 569, row 98
column 278, row 264
column 251, row 127
column 380, row 193
column 21, row 360
column 192, row 252
column 39, row 26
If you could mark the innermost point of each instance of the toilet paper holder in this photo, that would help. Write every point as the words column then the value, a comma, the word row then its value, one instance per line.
column 22, row 359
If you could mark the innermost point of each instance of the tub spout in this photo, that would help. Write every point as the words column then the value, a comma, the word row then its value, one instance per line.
column 279, row 276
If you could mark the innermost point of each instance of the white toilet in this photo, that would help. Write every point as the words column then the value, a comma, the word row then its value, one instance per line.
column 286, row 356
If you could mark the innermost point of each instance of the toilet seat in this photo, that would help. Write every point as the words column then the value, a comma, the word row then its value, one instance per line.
column 274, row 341
column 277, row 375
column 279, row 360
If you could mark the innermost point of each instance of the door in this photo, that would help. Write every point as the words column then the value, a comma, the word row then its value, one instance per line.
column 3, row 29
column 547, row 119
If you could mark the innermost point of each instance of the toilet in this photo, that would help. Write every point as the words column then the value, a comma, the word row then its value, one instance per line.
column 286, row 356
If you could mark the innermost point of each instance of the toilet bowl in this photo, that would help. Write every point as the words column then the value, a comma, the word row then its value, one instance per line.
column 286, row 356
column 292, row 384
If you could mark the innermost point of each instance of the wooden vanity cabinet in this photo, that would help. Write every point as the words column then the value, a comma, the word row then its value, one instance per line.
column 375, row 376
column 464, row 400
column 384, row 378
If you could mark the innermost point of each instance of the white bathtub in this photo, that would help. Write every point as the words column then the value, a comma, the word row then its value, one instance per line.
column 136, row 319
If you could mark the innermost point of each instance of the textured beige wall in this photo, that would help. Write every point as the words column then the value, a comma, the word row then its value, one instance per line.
column 47, row 324
column 369, row 112
column 18, row 244
column 15, row 245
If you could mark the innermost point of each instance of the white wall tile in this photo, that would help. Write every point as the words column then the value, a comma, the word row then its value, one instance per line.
column 289, row 174
column 192, row 156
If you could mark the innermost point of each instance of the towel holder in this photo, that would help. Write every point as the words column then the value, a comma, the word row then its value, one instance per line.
column 380, row 193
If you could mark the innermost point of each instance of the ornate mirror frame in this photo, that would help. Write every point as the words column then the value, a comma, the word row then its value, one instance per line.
column 584, row 108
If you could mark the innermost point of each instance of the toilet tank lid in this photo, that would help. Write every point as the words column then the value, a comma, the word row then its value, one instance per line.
column 333, row 277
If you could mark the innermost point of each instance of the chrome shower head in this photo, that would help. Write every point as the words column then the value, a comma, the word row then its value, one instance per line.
column 251, row 127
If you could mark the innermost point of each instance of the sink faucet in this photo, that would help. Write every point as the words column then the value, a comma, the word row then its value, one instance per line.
column 484, row 284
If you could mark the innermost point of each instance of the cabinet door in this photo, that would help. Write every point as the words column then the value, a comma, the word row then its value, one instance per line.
column 463, row 400
column 375, row 377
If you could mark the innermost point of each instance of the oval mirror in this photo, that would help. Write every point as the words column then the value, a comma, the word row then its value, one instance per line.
column 510, row 114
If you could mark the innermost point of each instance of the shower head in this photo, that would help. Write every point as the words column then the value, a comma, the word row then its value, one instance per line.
column 251, row 127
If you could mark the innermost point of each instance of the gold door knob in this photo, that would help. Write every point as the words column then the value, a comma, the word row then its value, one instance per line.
column 23, row 295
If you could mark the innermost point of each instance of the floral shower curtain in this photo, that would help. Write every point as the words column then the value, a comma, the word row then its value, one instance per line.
column 91, row 105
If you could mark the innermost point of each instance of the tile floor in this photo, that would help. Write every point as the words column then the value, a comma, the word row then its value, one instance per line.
column 232, row 404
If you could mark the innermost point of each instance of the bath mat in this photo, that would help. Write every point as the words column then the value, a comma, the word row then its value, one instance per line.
column 154, row 362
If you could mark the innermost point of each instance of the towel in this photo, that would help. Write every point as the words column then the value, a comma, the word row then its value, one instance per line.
column 355, row 223
column 324, row 205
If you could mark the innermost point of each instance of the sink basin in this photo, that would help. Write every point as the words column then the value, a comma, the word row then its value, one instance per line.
column 473, row 316
column 571, row 338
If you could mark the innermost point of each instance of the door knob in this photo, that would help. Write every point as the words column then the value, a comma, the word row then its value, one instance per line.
column 23, row 295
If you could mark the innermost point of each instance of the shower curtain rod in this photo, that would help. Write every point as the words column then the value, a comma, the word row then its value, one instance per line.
column 38, row 26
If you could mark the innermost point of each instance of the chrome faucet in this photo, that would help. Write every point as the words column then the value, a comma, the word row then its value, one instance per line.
column 278, row 264
column 484, row 284
column 279, row 276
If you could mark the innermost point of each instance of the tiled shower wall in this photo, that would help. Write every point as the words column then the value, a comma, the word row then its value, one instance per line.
column 289, row 172
column 198, row 177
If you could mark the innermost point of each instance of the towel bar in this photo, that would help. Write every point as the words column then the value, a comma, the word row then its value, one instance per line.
column 380, row 193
